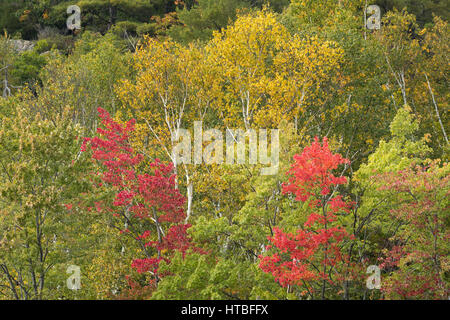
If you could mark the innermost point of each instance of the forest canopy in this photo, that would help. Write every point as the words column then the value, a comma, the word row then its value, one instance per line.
column 125, row 171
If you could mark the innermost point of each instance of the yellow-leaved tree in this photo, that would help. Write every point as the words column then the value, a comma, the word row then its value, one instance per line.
column 253, row 74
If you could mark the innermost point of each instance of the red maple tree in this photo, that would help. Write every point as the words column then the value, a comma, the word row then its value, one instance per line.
column 310, row 257
column 149, row 205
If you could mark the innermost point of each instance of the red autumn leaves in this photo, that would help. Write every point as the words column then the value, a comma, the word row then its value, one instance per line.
column 140, row 198
column 310, row 252
column 312, row 257
column 154, row 198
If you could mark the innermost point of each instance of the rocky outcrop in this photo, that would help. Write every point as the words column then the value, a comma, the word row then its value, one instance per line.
column 22, row 45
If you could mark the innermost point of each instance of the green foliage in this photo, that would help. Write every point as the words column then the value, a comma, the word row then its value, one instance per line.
column 402, row 150
column 416, row 259
column 308, row 68
column 40, row 165
column 199, row 21
column 8, row 20
column 27, row 67
column 84, row 80
column 422, row 9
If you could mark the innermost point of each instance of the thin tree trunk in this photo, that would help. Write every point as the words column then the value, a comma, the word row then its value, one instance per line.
column 436, row 109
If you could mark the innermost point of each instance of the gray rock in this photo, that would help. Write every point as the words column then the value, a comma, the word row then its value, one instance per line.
column 22, row 45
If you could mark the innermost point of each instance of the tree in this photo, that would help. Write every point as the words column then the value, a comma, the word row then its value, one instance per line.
column 411, row 55
column 27, row 66
column 405, row 148
column 313, row 253
column 323, row 13
column 8, row 20
column 266, row 75
column 147, row 206
column 422, row 9
column 81, row 81
column 198, row 21
column 171, row 91
column 373, row 226
column 40, row 173
column 97, row 15
column 232, row 225
column 7, row 59
column 417, row 261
